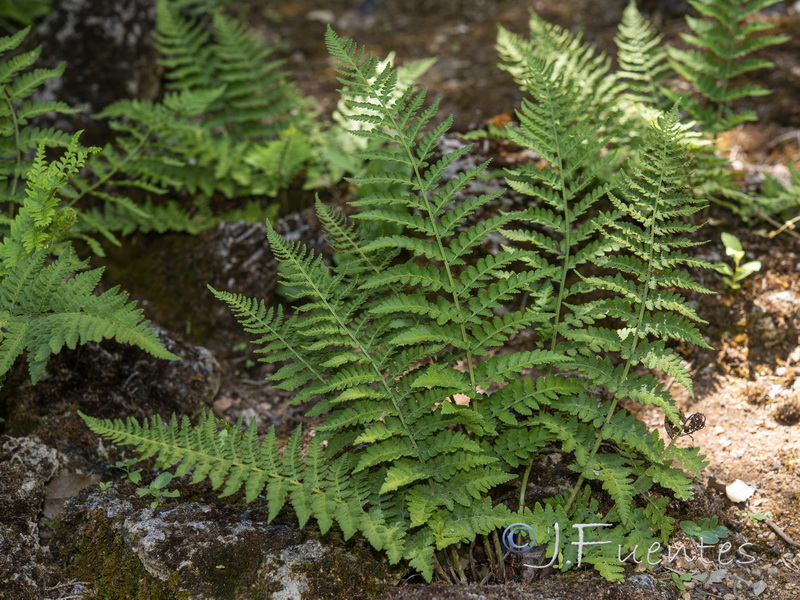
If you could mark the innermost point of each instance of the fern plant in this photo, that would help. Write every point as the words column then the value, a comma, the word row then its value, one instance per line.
column 230, row 125
column 425, row 417
column 724, row 42
column 46, row 306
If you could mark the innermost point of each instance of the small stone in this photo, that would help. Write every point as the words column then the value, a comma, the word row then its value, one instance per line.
column 725, row 442
column 739, row 491
column 738, row 453
column 729, row 597
column 759, row 587
column 718, row 430
column 222, row 404
column 772, row 571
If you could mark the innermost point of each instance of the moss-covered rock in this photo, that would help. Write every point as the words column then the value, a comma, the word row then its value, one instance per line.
column 202, row 552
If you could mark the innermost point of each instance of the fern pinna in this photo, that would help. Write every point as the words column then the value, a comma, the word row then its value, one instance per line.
column 402, row 339
column 19, row 139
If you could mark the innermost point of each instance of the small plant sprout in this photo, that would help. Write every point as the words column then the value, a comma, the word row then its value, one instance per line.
column 706, row 530
column 679, row 580
column 156, row 489
column 732, row 276
column 133, row 475
column 105, row 486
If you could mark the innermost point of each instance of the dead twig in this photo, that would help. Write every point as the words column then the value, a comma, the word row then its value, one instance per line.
column 782, row 534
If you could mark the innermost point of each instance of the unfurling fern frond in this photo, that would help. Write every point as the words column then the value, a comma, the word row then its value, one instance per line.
column 723, row 41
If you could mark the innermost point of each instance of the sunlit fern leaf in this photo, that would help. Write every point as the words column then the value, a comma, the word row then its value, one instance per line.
column 574, row 62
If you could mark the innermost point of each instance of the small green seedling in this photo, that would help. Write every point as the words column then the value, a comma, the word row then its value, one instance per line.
column 732, row 276
column 105, row 486
column 706, row 530
column 133, row 475
column 156, row 489
column 679, row 578
column 755, row 516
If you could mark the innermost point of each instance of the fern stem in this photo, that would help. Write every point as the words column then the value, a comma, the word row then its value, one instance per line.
column 117, row 167
column 456, row 560
column 499, row 553
column 523, row 490
column 567, row 227
column 487, row 547
column 440, row 569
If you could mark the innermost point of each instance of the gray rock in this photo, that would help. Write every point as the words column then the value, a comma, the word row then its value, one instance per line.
column 110, row 56
column 26, row 465
column 216, row 552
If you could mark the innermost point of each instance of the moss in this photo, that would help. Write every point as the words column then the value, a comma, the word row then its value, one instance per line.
column 114, row 571
column 338, row 575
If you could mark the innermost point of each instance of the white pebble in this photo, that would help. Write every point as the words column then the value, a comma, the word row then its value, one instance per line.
column 739, row 491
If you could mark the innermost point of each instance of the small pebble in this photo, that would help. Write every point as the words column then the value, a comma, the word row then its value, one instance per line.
column 759, row 587
column 725, row 442
column 772, row 571
column 738, row 453
column 729, row 597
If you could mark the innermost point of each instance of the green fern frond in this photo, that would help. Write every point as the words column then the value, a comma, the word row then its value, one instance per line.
column 642, row 60
column 42, row 313
column 397, row 336
column 19, row 139
column 43, row 219
column 723, row 43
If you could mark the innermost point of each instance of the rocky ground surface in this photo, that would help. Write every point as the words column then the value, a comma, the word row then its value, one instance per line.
column 63, row 536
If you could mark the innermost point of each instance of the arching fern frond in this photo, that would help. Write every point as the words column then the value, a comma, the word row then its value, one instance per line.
column 41, row 311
